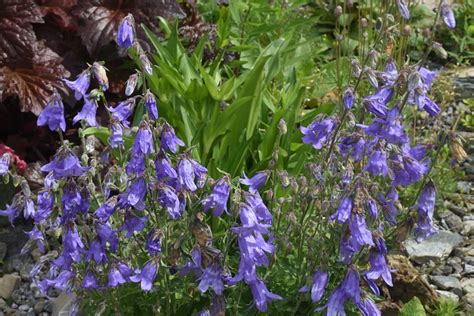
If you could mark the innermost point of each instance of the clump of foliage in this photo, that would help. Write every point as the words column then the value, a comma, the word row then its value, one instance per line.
column 215, row 188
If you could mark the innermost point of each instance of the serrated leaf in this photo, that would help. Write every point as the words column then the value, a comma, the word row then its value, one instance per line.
column 412, row 308
column 34, row 82
column 99, row 19
column 17, row 38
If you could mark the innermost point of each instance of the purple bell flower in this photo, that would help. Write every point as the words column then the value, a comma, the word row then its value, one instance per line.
column 425, row 208
column 379, row 268
column 134, row 195
column 80, row 85
column 388, row 205
column 361, row 235
column 88, row 112
column 425, row 103
column 153, row 243
column 389, row 128
column 211, row 278
column 372, row 208
column 255, row 202
column 217, row 200
column 104, row 212
column 62, row 281
column 261, row 295
column 406, row 170
column 164, row 170
column 146, row 276
column 36, row 235
column 150, row 104
column 29, row 209
column 107, row 235
column 169, row 141
column 368, row 308
column 90, row 281
column 448, row 15
column 65, row 164
column 349, row 289
column 353, row 145
column 97, row 252
column 133, row 224
column 320, row 282
column 318, row 132
column 53, row 115
column 377, row 103
column 126, row 32
column 45, row 203
column 377, row 164
column 72, row 245
column 170, row 201
column 344, row 210
column 136, row 164
column 116, row 138
column 256, row 182
column 122, row 111
column 119, row 274
column 143, row 143
column 186, row 174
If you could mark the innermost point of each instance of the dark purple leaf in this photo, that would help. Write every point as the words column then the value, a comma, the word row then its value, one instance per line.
column 99, row 19
column 16, row 32
column 33, row 82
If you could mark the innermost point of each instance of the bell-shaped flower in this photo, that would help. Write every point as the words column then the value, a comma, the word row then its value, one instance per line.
column 146, row 276
column 344, row 210
column 88, row 112
column 217, row 200
column 80, row 85
column 169, row 141
column 53, row 115
column 126, row 32
column 318, row 133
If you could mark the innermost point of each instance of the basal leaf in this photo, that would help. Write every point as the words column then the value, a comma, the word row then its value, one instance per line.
column 17, row 38
column 33, row 82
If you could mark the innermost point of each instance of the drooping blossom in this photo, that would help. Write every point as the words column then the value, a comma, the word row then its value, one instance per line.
column 406, row 169
column 389, row 128
column 348, row 98
column 136, row 164
column 348, row 290
column 88, row 112
column 261, row 295
column 318, row 286
column 360, row 234
column 119, row 274
column 368, row 308
column 134, row 195
column 377, row 102
column 169, row 141
column 170, row 201
column 105, row 210
column 425, row 208
column 80, row 85
column 122, row 111
column 256, row 182
column 65, row 164
column 90, row 281
column 186, row 174
column 4, row 164
column 126, row 32
column 53, row 115
column 153, row 242
column 388, row 204
column 146, row 276
column 133, row 224
column 379, row 268
column 116, row 137
column 165, row 171
column 344, row 210
column 372, row 208
column 377, row 164
column 217, row 200
column 45, row 202
column 318, row 132
column 353, row 145
column 36, row 235
column 97, row 252
column 107, row 236
column 143, row 143
column 11, row 212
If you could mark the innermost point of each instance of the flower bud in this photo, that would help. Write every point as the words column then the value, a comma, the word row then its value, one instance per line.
column 426, row 32
column 131, row 84
column 413, row 80
column 378, row 24
column 448, row 15
column 406, row 31
column 356, row 70
column 364, row 23
column 369, row 73
column 146, row 64
column 284, row 178
column 282, row 128
column 25, row 188
column 338, row 11
column 339, row 37
column 348, row 98
column 456, row 148
column 349, row 3
column 126, row 32
column 100, row 75
column 150, row 104
column 373, row 58
column 404, row 11
column 439, row 50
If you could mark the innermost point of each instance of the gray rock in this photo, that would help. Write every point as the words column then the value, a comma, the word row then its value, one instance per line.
column 464, row 186
column 3, row 250
column 448, row 295
column 433, row 248
column 2, row 303
column 8, row 284
column 454, row 222
column 39, row 306
column 459, row 211
column 24, row 308
column 468, row 228
column 468, row 301
column 443, row 270
column 468, row 269
column 467, row 285
column 446, row 282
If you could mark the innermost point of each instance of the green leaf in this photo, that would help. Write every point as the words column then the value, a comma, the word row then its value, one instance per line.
column 413, row 308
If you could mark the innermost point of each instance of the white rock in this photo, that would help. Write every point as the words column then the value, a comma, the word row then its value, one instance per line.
column 8, row 284
column 448, row 295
